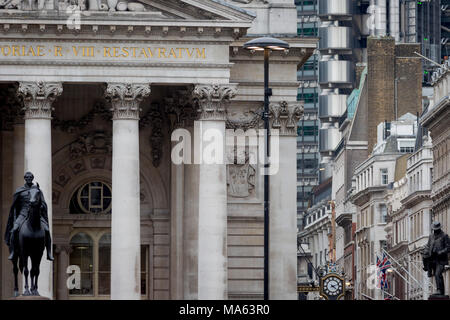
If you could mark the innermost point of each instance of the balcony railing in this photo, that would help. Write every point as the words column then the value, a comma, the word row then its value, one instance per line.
column 343, row 118
column 339, row 147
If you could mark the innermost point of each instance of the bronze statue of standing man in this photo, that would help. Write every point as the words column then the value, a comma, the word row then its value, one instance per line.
column 18, row 215
column 435, row 256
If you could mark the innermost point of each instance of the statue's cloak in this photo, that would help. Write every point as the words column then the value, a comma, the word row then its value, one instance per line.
column 15, row 211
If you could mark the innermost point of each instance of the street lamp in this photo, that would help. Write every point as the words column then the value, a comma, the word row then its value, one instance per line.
column 266, row 44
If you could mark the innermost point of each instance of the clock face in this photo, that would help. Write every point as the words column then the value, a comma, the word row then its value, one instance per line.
column 332, row 286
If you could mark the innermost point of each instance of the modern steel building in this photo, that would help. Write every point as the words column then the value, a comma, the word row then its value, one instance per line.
column 308, row 129
column 328, row 77
column 344, row 29
column 445, row 29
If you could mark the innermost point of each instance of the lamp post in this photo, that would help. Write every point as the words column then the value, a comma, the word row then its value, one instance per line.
column 266, row 44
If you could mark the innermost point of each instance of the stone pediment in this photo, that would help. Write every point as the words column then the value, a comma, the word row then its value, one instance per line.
column 190, row 10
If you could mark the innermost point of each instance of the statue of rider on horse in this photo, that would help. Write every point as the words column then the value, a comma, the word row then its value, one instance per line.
column 27, row 231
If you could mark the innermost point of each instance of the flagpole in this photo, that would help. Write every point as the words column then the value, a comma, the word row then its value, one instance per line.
column 400, row 275
column 391, row 295
column 398, row 263
column 413, row 263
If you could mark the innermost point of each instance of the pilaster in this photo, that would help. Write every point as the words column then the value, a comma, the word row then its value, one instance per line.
column 284, row 116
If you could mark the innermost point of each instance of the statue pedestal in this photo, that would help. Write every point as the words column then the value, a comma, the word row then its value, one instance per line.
column 438, row 297
column 29, row 298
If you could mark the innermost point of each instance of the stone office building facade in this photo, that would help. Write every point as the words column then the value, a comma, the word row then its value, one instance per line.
column 90, row 96
column 436, row 119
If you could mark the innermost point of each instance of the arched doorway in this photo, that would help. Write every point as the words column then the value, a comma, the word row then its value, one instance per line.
column 89, row 243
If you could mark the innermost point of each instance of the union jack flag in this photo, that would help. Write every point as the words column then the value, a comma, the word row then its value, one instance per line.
column 383, row 264
column 384, row 284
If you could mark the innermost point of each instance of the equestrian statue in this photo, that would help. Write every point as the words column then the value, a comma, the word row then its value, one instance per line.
column 27, row 233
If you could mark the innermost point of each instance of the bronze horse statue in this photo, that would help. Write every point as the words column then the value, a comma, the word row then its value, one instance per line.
column 31, row 244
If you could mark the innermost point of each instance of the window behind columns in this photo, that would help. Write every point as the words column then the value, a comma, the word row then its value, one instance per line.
column 83, row 257
column 92, row 254
column 93, row 197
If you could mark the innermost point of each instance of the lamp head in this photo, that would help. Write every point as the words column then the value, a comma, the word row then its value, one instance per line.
column 259, row 44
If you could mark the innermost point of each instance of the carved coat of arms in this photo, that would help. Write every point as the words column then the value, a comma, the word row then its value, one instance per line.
column 240, row 178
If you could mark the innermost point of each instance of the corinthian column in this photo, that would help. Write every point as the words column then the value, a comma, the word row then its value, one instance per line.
column 283, row 204
column 212, row 203
column 38, row 98
column 125, row 223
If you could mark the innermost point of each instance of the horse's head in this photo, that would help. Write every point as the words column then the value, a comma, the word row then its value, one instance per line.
column 35, row 197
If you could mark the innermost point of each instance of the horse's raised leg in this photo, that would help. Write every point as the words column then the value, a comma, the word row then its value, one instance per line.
column 25, row 273
column 16, row 271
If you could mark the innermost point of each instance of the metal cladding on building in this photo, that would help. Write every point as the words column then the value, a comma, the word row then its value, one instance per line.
column 369, row 73
column 336, row 74
column 308, row 92
column 344, row 30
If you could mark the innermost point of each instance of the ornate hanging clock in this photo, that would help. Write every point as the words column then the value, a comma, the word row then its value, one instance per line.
column 332, row 286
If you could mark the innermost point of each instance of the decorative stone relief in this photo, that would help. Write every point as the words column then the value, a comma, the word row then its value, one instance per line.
column 285, row 116
column 126, row 98
column 55, row 196
column 90, row 143
column 251, row 1
column 12, row 107
column 98, row 162
column 213, row 99
column 154, row 118
column 240, row 177
column 249, row 120
column 70, row 126
column 142, row 197
column 11, row 4
column 78, row 166
column 156, row 138
column 180, row 110
column 73, row 5
column 62, row 178
column 174, row 113
column 38, row 98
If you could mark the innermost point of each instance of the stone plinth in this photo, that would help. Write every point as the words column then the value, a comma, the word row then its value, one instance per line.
column 438, row 297
column 29, row 298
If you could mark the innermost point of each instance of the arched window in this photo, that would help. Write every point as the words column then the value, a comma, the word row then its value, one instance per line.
column 82, row 256
column 93, row 197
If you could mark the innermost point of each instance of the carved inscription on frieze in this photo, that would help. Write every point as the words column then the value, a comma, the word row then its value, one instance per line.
column 122, row 52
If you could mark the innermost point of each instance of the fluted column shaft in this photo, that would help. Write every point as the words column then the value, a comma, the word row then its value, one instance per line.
column 125, row 224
